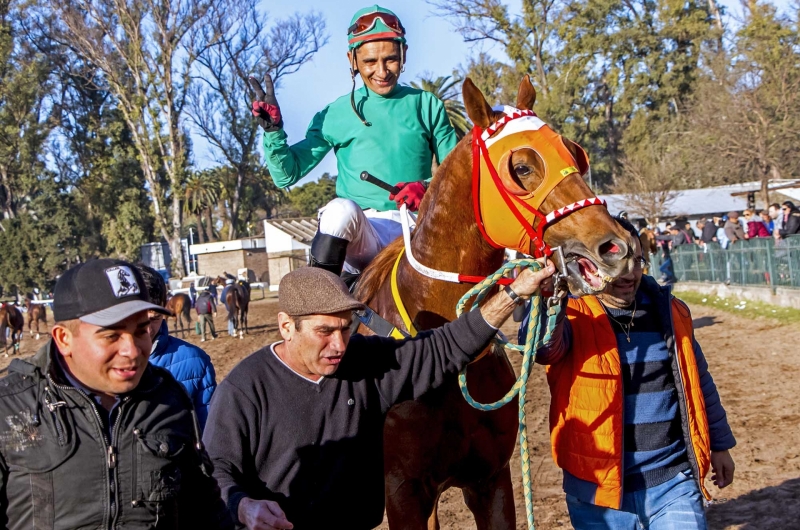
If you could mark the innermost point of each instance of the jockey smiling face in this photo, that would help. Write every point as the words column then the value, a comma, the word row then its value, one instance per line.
column 379, row 63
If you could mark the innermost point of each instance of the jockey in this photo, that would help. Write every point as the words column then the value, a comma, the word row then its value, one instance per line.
column 390, row 130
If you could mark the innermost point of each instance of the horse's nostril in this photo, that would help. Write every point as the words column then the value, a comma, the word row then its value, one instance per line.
column 613, row 249
column 609, row 247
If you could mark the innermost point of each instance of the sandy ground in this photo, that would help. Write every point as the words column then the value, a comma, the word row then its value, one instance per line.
column 756, row 365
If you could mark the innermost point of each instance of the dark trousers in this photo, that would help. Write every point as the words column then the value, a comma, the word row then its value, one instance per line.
column 207, row 319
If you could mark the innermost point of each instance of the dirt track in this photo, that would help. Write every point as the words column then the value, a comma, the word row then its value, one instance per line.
column 756, row 366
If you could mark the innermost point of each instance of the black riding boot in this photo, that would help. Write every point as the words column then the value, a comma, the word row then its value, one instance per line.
column 328, row 252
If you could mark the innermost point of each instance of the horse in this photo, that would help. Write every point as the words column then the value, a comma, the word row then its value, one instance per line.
column 11, row 318
column 181, row 306
column 439, row 441
column 36, row 313
column 237, row 302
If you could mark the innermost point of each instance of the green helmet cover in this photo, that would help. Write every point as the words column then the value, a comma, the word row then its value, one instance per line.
column 379, row 31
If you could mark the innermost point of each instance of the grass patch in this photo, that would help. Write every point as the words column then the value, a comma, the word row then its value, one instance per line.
column 784, row 315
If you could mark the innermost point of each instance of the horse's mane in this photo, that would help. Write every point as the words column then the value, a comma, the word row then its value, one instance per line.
column 375, row 274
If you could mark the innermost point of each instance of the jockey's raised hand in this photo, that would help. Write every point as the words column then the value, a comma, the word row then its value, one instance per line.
column 410, row 193
column 265, row 107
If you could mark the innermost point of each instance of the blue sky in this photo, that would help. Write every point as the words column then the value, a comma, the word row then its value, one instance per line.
column 434, row 48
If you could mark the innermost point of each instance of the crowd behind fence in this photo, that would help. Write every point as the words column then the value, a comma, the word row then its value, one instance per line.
column 762, row 262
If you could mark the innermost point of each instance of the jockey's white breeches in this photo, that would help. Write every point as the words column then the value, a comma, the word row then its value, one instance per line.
column 368, row 231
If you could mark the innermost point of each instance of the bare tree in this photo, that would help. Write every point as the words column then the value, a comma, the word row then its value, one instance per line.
column 240, row 44
column 145, row 50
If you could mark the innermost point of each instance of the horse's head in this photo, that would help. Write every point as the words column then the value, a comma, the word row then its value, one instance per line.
column 530, row 194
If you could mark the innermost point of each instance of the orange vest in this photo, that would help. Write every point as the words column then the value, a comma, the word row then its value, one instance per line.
column 587, row 401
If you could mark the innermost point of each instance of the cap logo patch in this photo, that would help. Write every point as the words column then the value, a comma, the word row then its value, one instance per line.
column 122, row 281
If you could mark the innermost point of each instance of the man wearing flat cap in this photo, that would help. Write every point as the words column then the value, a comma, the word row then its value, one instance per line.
column 94, row 436
column 296, row 429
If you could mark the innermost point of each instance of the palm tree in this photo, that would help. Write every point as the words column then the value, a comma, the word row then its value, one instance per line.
column 446, row 89
column 200, row 192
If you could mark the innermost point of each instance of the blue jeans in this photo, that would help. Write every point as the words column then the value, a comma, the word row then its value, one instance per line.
column 668, row 270
column 674, row 505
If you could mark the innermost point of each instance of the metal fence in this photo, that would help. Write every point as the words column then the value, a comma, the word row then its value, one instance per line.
column 758, row 262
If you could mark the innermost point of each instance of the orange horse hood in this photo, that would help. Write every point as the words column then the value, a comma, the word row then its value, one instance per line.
column 510, row 214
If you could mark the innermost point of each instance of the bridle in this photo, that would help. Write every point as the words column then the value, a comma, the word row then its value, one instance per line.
column 551, row 180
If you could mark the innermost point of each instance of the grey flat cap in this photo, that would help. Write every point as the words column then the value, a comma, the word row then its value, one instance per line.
column 314, row 291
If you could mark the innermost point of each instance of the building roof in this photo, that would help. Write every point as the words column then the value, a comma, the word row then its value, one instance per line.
column 699, row 202
column 300, row 228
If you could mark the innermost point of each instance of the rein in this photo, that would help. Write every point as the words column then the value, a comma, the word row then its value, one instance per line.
column 536, row 337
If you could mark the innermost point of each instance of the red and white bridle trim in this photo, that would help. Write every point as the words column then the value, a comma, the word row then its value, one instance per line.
column 568, row 209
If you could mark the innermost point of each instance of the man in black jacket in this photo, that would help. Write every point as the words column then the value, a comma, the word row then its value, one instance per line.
column 94, row 436
column 296, row 429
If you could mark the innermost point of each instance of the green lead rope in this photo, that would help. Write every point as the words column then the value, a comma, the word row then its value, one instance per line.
column 533, row 341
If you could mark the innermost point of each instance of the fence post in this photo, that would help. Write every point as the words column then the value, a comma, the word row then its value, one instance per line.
column 770, row 264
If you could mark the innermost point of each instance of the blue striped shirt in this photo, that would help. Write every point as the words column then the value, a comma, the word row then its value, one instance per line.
column 654, row 448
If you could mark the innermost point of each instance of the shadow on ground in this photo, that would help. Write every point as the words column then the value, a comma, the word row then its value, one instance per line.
column 704, row 322
column 774, row 507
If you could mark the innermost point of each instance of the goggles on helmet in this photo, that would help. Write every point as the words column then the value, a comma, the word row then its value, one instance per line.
column 366, row 22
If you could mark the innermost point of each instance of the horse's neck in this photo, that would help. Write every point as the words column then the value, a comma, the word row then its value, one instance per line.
column 447, row 236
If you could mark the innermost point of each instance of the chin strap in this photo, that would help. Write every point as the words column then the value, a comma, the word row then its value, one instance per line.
column 353, row 70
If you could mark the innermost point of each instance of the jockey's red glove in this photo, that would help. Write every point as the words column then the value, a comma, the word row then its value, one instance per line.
column 265, row 107
column 410, row 193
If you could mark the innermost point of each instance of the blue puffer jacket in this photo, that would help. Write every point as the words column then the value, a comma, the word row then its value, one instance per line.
column 190, row 365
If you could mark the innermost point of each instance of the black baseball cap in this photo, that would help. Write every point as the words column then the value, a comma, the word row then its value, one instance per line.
column 101, row 292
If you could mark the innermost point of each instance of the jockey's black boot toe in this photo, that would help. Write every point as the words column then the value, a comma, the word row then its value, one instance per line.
column 328, row 252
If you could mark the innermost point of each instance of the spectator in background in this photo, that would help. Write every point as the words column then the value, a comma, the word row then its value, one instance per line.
column 767, row 220
column 206, row 308
column 212, row 290
column 756, row 227
column 733, row 228
column 791, row 219
column 229, row 281
column 721, row 236
column 687, row 228
column 747, row 217
column 187, row 363
column 777, row 219
column 708, row 230
column 192, row 292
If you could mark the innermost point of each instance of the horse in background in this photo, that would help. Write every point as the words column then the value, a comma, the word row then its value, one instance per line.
column 11, row 319
column 237, row 302
column 36, row 313
column 439, row 441
column 181, row 306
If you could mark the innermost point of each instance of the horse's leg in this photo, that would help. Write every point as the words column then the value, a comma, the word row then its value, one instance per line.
column 411, row 505
column 491, row 501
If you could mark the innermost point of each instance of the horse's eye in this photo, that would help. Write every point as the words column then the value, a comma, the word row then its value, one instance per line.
column 522, row 170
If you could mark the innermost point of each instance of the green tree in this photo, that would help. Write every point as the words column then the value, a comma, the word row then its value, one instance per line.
column 447, row 89
column 25, row 123
column 312, row 196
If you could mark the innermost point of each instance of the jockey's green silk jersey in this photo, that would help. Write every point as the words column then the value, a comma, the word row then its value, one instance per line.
column 409, row 127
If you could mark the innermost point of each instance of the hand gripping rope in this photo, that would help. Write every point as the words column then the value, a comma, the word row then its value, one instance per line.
column 533, row 341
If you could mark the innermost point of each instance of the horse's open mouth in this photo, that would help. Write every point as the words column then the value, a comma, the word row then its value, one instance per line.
column 587, row 272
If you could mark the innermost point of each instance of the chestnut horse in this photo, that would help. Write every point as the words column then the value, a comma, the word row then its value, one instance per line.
column 181, row 306
column 439, row 441
column 11, row 318
column 36, row 313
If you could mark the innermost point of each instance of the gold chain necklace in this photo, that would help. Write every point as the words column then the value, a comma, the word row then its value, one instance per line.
column 625, row 329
